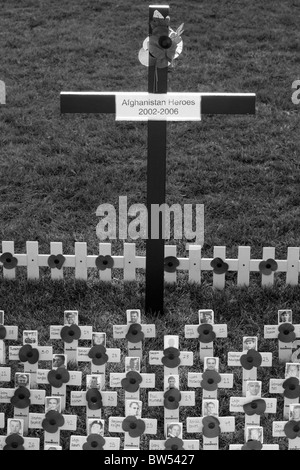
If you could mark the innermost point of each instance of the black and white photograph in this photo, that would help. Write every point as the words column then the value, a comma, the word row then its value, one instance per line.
column 206, row 316
column 95, row 426
column 171, row 381
column 99, row 339
column 210, row 407
column 253, row 388
column 249, row 342
column 15, row 426
column 292, row 369
column 294, row 412
column 59, row 360
column 211, row 363
column 132, row 364
column 133, row 316
column 254, row 433
column 171, row 341
column 133, row 408
column 71, row 317
column 52, row 404
column 174, row 430
column 22, row 379
column 30, row 337
column 94, row 381
column 285, row 316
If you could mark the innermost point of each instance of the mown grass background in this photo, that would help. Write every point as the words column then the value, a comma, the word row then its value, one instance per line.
column 57, row 169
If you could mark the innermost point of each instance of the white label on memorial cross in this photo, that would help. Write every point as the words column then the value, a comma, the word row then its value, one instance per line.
column 157, row 107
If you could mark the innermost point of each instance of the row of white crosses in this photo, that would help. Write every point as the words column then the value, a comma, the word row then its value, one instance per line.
column 252, row 405
column 288, row 353
column 22, row 397
column 209, row 424
column 131, row 424
column 251, row 402
column 70, row 332
column 94, row 398
column 172, row 398
column 289, row 388
column 76, row 354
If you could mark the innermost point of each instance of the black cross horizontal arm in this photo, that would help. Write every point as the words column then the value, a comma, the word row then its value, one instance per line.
column 211, row 103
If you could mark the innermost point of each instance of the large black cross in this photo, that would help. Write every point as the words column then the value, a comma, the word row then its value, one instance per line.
column 105, row 102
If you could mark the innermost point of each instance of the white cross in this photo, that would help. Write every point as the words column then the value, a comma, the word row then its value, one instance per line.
column 70, row 348
column 285, row 348
column 36, row 397
column 121, row 332
column 234, row 359
column 206, row 348
column 79, row 398
column 44, row 354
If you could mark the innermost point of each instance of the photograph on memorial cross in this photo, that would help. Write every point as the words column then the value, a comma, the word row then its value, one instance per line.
column 57, row 169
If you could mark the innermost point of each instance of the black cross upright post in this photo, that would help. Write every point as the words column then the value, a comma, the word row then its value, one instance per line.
column 105, row 102
column 156, row 181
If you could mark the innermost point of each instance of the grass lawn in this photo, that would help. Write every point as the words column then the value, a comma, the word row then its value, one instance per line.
column 55, row 170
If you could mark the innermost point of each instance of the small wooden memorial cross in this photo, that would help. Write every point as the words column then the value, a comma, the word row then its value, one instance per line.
column 253, row 440
column 157, row 107
column 15, row 440
column 250, row 359
column 70, row 333
column 210, row 380
column 95, row 439
column 206, row 331
column 134, row 332
column 286, row 333
column 171, row 398
column 210, row 425
column 253, row 405
column 289, row 429
column 2, row 93
column 30, row 354
column 6, row 333
column 94, row 398
column 98, row 355
column 133, row 425
column 52, row 421
column 59, row 377
column 22, row 397
column 132, row 380
column 288, row 387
